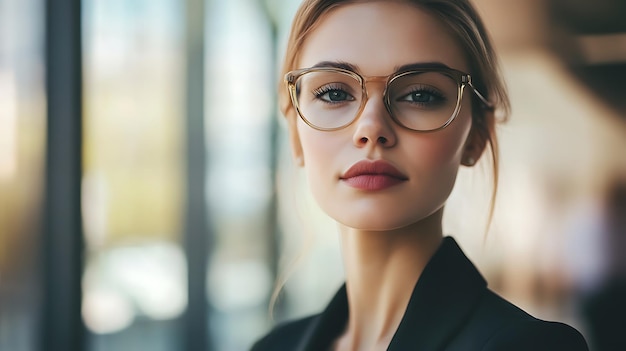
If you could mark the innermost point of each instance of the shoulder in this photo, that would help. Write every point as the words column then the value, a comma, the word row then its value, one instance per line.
column 497, row 324
column 285, row 336
column 536, row 335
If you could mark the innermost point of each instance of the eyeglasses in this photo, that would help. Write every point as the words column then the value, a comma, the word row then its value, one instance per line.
column 424, row 100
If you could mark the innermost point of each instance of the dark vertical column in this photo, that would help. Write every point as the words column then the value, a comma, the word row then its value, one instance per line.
column 197, row 231
column 62, row 244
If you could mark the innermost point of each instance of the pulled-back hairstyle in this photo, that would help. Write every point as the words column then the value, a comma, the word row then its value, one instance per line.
column 467, row 28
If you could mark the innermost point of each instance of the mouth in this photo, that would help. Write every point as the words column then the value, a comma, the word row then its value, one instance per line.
column 373, row 175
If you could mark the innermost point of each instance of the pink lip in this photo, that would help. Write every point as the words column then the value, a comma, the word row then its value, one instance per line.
column 372, row 175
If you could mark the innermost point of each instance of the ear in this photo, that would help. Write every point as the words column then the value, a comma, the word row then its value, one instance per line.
column 294, row 140
column 476, row 142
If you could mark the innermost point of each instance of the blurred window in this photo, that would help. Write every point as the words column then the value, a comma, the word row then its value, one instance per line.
column 22, row 145
column 134, row 283
column 240, row 86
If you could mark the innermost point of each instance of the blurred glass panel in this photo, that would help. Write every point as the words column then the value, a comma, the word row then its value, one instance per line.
column 135, row 276
column 240, row 99
column 22, row 145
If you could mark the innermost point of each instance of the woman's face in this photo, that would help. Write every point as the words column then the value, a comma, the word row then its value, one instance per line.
column 377, row 38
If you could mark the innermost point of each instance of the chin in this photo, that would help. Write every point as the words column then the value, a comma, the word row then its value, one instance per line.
column 379, row 221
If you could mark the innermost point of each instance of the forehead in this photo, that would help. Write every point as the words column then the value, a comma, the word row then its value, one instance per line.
column 380, row 36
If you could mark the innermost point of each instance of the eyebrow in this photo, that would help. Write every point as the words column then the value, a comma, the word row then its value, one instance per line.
column 403, row 68
column 422, row 65
column 337, row 64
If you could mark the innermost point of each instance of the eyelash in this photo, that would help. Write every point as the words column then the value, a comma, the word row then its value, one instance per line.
column 435, row 93
column 327, row 88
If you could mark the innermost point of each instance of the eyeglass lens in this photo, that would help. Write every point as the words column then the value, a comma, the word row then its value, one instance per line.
column 418, row 100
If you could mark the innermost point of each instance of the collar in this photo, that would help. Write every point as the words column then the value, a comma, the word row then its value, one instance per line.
column 441, row 302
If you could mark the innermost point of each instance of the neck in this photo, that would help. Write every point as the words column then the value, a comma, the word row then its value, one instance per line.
column 381, row 271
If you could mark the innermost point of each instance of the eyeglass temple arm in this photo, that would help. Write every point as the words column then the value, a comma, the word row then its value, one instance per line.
column 468, row 80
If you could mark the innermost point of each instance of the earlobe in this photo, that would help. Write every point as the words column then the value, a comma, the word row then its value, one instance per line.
column 474, row 145
column 468, row 161
column 473, row 150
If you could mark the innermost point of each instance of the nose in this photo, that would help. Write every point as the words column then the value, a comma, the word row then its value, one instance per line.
column 374, row 126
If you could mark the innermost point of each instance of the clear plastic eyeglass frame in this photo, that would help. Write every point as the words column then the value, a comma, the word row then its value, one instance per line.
column 462, row 79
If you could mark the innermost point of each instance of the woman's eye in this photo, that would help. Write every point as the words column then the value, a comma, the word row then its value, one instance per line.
column 333, row 95
column 422, row 97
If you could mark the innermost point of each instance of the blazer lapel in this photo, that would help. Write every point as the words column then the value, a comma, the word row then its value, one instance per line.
column 441, row 302
column 327, row 326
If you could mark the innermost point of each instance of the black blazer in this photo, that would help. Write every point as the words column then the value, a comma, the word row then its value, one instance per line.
column 450, row 308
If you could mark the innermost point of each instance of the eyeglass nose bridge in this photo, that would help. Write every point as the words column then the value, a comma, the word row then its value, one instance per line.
column 381, row 80
column 365, row 80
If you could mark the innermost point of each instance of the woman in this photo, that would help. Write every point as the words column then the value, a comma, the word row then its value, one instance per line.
column 385, row 100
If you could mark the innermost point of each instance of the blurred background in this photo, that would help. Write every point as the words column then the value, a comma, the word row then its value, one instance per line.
column 148, row 200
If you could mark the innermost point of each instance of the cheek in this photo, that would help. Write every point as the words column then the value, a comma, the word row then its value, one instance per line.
column 434, row 161
column 313, row 145
column 319, row 150
column 445, row 147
